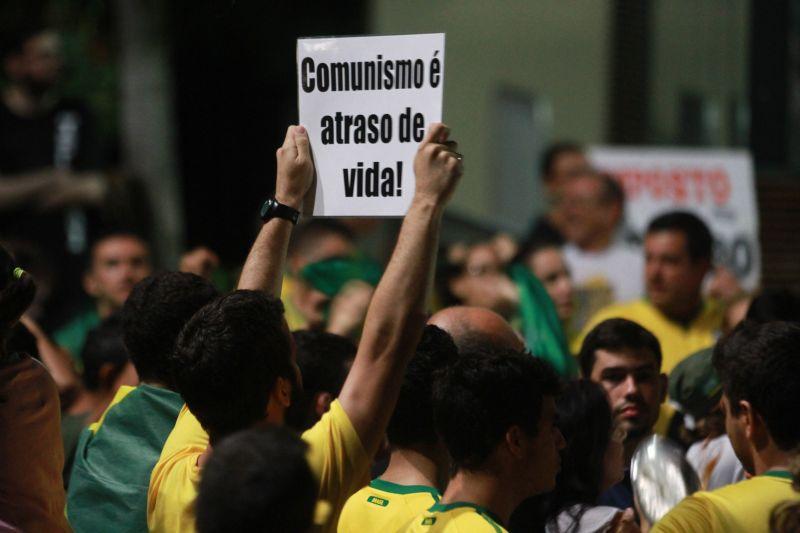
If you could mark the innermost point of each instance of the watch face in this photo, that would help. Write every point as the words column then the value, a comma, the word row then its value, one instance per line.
column 267, row 208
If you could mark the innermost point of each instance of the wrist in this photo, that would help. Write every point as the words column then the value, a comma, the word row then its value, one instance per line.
column 292, row 200
column 427, row 204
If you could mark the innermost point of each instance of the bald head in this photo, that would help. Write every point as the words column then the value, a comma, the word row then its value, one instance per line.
column 473, row 326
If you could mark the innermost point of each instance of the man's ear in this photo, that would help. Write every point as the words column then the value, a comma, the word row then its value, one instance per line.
column 283, row 392
column 755, row 429
column 322, row 403
column 515, row 441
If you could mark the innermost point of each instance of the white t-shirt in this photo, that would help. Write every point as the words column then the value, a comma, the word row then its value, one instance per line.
column 593, row 520
column 715, row 462
column 601, row 278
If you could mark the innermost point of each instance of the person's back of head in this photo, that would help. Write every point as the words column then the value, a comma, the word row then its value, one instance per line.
column 324, row 360
column 774, row 304
column 476, row 329
column 257, row 480
column 153, row 316
column 412, row 420
column 17, row 290
column 759, row 368
column 104, row 355
column 483, row 402
column 234, row 355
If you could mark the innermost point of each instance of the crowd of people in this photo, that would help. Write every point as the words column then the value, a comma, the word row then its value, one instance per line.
column 499, row 385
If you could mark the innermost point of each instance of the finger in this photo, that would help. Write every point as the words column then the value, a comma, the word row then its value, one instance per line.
column 451, row 146
column 435, row 132
column 289, row 145
column 302, row 143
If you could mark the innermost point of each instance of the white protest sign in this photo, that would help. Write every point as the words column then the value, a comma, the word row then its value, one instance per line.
column 366, row 103
column 717, row 185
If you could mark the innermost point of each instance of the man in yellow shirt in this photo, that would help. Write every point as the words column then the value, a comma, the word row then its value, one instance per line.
column 760, row 374
column 677, row 249
column 496, row 414
column 418, row 466
column 237, row 360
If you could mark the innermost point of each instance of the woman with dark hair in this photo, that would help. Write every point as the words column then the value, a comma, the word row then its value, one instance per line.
column 592, row 462
column 31, row 454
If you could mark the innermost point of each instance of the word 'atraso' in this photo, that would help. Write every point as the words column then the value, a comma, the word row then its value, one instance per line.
column 378, row 75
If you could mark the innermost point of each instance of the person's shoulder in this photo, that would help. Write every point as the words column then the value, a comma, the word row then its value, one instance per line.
column 632, row 310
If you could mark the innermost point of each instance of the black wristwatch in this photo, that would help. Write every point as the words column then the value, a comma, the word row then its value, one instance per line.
column 274, row 209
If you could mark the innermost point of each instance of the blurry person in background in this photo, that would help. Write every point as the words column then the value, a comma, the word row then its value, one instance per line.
column 31, row 489
column 560, row 162
column 678, row 253
column 324, row 360
column 605, row 267
column 547, row 263
column 329, row 286
column 117, row 262
column 106, row 367
column 592, row 462
column 49, row 159
column 475, row 276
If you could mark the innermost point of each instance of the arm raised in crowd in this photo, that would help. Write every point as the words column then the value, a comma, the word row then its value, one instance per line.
column 263, row 270
column 396, row 314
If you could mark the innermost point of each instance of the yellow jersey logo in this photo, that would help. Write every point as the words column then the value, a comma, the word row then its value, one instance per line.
column 378, row 501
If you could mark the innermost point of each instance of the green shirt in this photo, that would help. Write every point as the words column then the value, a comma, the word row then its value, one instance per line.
column 114, row 458
column 72, row 336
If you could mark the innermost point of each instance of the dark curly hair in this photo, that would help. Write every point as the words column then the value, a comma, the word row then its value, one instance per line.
column 228, row 358
column 481, row 395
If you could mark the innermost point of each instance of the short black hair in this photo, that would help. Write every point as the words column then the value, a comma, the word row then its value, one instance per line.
column 228, row 358
column 104, row 345
column 308, row 234
column 480, row 396
column 412, row 420
column 759, row 363
column 774, row 304
column 257, row 480
column 552, row 153
column 617, row 334
column 324, row 360
column 153, row 316
column 699, row 241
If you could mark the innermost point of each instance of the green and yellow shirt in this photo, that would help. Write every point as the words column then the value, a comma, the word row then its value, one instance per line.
column 385, row 506
column 456, row 517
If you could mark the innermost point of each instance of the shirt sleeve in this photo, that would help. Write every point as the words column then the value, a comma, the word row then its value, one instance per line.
column 691, row 514
column 337, row 458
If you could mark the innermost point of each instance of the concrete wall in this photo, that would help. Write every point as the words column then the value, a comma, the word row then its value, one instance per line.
column 554, row 51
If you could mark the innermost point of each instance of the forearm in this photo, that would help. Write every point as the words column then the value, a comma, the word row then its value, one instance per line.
column 263, row 269
column 20, row 189
column 393, row 325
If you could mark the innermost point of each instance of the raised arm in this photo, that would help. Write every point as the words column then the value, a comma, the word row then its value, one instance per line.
column 396, row 314
column 263, row 270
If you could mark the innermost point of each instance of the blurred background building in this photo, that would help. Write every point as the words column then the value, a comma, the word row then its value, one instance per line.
column 192, row 98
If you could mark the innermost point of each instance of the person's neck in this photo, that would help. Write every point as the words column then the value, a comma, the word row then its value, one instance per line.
column 92, row 403
column 22, row 102
column 598, row 243
column 771, row 458
column 684, row 314
column 631, row 444
column 105, row 309
column 408, row 466
column 484, row 490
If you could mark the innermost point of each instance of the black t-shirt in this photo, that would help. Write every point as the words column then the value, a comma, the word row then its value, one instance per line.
column 61, row 137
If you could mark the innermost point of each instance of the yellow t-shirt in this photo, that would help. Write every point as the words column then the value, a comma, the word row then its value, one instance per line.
column 456, row 517
column 743, row 506
column 385, row 506
column 335, row 455
column 677, row 342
